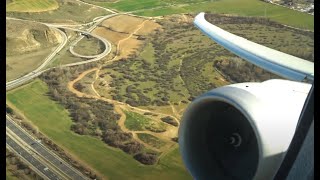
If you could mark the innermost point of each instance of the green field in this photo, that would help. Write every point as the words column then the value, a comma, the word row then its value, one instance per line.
column 69, row 11
column 235, row 7
column 54, row 121
column 32, row 5
column 138, row 122
column 151, row 140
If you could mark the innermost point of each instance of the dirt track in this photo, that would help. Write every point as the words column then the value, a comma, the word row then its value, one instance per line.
column 166, row 136
column 119, row 107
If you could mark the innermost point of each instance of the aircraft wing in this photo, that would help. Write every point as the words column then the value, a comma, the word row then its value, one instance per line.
column 282, row 64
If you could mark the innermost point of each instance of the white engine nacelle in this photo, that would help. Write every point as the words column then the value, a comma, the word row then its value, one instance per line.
column 241, row 131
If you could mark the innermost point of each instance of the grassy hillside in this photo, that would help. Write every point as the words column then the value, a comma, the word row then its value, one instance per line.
column 31, row 5
column 54, row 121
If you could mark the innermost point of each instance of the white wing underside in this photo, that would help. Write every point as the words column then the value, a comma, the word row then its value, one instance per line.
column 274, row 61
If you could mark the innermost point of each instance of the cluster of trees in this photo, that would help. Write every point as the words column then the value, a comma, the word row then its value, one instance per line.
column 134, row 70
column 8, row 109
column 169, row 120
column 223, row 19
column 146, row 158
column 143, row 72
column 237, row 70
column 90, row 116
column 299, row 52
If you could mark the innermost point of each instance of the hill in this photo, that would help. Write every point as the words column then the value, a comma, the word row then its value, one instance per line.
column 27, row 45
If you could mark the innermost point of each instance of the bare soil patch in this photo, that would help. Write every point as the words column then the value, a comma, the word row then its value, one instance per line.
column 112, row 36
column 149, row 26
column 123, row 23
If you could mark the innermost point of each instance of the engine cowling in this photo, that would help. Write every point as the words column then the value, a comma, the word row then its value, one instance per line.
column 241, row 131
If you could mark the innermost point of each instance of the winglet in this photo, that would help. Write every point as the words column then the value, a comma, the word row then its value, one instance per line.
column 274, row 61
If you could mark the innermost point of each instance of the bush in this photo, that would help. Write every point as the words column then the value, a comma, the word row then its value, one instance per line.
column 169, row 120
column 132, row 147
column 146, row 158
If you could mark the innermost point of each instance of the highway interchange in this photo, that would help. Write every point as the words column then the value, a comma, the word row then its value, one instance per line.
column 42, row 160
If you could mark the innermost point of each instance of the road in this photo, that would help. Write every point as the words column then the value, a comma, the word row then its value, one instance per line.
column 17, row 82
column 37, row 156
column 37, row 166
column 37, row 72
column 42, row 151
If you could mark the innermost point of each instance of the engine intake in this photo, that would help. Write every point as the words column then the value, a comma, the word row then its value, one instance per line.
column 241, row 131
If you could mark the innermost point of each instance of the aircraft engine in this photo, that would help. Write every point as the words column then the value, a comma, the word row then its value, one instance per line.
column 241, row 131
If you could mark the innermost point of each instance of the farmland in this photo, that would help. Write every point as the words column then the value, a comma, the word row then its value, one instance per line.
column 71, row 12
column 31, row 5
column 253, row 8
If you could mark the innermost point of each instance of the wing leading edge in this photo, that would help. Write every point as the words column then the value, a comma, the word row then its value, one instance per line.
column 274, row 61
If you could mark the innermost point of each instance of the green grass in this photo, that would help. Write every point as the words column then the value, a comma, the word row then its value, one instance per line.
column 151, row 140
column 54, row 121
column 236, row 7
column 138, row 122
column 32, row 5
column 148, row 54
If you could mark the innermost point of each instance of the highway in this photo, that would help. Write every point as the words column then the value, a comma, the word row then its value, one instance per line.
column 37, row 72
column 37, row 166
column 42, row 151
column 42, row 160
column 17, row 82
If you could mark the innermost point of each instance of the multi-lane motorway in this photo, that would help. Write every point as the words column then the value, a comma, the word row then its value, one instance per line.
column 36, row 165
column 42, row 160
column 41, row 151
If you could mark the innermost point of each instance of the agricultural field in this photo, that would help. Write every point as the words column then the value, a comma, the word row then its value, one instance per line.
column 31, row 5
column 69, row 11
column 54, row 121
column 253, row 8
